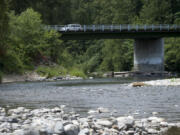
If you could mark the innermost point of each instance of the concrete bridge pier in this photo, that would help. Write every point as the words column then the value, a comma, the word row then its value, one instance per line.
column 149, row 55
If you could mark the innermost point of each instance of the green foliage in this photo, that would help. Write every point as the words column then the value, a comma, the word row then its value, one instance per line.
column 66, row 59
column 172, row 56
column 77, row 72
column 92, row 64
column 156, row 12
column 4, row 27
column 51, row 71
column 117, row 55
column 54, row 47
column 126, row 10
column 177, row 18
column 30, row 44
column 12, row 63
column 27, row 35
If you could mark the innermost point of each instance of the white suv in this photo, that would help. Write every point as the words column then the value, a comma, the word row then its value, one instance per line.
column 72, row 27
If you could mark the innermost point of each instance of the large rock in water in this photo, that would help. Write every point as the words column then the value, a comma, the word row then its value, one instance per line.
column 138, row 84
column 71, row 129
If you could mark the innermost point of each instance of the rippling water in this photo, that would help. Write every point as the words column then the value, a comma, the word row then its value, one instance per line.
column 82, row 95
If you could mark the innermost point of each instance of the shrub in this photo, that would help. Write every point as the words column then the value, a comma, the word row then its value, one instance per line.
column 51, row 71
column 12, row 64
column 77, row 72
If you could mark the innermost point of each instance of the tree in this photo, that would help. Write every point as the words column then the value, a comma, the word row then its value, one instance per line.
column 177, row 18
column 4, row 30
column 172, row 56
column 117, row 55
column 30, row 40
column 4, row 27
column 126, row 10
column 20, row 5
column 156, row 12
column 54, row 11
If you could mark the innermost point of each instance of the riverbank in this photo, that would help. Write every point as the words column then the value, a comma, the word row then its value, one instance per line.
column 57, row 121
column 33, row 76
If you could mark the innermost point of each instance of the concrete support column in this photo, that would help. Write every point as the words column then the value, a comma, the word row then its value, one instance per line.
column 149, row 55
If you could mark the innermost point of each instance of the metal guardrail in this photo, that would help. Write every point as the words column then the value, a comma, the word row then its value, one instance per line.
column 116, row 28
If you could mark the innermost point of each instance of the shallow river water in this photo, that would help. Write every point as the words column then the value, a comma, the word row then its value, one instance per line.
column 83, row 95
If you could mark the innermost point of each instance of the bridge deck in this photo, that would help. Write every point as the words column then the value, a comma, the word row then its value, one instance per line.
column 117, row 31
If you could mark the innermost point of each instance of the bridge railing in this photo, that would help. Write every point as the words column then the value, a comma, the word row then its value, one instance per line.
column 115, row 28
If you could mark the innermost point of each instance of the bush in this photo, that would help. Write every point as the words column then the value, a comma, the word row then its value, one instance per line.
column 51, row 71
column 11, row 63
column 77, row 72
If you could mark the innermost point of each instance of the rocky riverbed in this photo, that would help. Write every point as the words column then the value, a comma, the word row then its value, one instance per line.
column 34, row 77
column 162, row 82
column 56, row 121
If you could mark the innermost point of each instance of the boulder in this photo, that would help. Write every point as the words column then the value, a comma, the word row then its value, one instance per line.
column 105, row 123
column 84, row 131
column 71, row 129
column 125, row 121
column 59, row 128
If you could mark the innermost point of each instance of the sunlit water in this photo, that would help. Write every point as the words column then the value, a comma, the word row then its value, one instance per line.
column 83, row 95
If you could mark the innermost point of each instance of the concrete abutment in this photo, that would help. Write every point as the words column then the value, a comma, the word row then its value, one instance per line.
column 149, row 55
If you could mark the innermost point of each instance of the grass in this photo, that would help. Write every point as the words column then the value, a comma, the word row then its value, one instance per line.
column 173, row 131
column 77, row 72
column 173, row 79
column 55, row 71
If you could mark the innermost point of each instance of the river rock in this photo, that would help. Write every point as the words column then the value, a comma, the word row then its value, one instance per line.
column 84, row 131
column 59, row 128
column 50, row 122
column 3, row 119
column 19, row 132
column 155, row 119
column 17, row 111
column 105, row 123
column 85, row 125
column 71, row 129
column 32, row 131
column 92, row 112
column 102, row 110
column 125, row 121
column 152, row 131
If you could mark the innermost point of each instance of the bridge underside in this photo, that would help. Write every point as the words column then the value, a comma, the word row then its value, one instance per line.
column 115, row 35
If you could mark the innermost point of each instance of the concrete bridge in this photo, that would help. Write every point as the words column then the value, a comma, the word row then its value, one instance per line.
column 148, row 46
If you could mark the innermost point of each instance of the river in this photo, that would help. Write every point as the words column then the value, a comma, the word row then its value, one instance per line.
column 82, row 95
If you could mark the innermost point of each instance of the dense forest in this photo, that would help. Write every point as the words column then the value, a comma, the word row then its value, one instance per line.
column 26, row 45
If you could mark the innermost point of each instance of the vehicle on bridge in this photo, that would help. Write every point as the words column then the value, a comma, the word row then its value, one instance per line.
column 72, row 27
